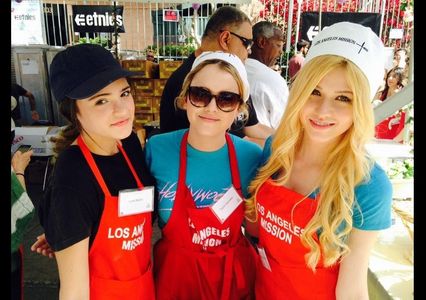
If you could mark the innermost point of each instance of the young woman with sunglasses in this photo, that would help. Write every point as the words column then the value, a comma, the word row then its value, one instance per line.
column 320, row 200
column 202, row 174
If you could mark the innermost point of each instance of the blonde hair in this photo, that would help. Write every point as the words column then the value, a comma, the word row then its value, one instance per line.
column 223, row 65
column 347, row 165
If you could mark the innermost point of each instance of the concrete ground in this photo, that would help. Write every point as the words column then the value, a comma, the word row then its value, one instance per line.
column 41, row 279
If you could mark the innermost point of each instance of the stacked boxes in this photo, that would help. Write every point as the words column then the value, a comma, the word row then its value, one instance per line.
column 167, row 67
column 147, row 68
column 148, row 87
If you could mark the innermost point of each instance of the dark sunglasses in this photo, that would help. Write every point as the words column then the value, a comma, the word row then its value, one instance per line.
column 201, row 97
column 247, row 43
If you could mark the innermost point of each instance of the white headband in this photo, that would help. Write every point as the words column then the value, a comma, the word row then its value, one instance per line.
column 233, row 60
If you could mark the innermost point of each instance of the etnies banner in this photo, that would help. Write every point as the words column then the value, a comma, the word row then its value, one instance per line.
column 97, row 18
column 309, row 27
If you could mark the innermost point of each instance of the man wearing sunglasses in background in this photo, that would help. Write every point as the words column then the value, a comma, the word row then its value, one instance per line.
column 268, row 89
column 228, row 30
column 150, row 55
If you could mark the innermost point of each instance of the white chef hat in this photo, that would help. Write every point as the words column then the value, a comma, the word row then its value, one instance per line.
column 355, row 42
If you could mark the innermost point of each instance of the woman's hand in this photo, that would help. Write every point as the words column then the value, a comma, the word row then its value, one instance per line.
column 20, row 161
column 41, row 246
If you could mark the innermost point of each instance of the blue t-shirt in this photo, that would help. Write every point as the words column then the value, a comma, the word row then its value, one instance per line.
column 208, row 173
column 373, row 199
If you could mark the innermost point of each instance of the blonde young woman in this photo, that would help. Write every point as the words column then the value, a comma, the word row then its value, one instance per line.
column 320, row 200
column 202, row 174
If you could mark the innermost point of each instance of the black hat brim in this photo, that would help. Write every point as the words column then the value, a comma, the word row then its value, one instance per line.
column 93, row 85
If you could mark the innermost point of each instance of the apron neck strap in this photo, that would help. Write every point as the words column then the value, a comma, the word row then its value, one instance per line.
column 235, row 174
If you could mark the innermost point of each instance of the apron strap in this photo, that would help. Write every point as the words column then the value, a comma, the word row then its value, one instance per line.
column 138, row 182
column 182, row 162
column 92, row 164
column 235, row 174
column 91, row 161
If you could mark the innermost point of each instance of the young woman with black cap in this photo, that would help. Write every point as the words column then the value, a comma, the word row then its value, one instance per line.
column 97, row 211
column 202, row 175
column 319, row 201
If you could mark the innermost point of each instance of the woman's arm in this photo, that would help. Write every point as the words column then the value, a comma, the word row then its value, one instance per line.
column 20, row 162
column 73, row 266
column 352, row 280
column 252, row 228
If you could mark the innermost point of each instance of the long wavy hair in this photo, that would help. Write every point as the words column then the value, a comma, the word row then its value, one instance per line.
column 346, row 166
column 68, row 108
column 223, row 65
column 399, row 74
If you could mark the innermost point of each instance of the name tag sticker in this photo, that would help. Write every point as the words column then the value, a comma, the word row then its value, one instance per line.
column 226, row 205
column 264, row 258
column 135, row 201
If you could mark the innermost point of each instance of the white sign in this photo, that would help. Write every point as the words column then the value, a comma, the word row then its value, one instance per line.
column 389, row 58
column 312, row 32
column 29, row 67
column 26, row 22
column 396, row 33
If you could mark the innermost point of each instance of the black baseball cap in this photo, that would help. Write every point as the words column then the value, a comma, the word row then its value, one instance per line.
column 82, row 70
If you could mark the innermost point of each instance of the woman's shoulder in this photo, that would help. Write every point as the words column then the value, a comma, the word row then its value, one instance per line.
column 71, row 166
column 132, row 141
column 377, row 173
column 163, row 145
column 245, row 145
column 70, row 156
column 247, row 152
column 377, row 183
column 166, row 138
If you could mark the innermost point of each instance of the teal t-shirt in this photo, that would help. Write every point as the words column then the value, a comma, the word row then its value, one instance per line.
column 208, row 173
column 373, row 198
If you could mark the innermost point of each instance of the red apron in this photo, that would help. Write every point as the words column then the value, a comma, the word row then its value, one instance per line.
column 119, row 259
column 388, row 128
column 289, row 278
column 198, row 257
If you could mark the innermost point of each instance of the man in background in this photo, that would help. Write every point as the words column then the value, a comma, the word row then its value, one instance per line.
column 399, row 58
column 268, row 88
column 228, row 30
column 296, row 62
column 17, row 91
column 150, row 55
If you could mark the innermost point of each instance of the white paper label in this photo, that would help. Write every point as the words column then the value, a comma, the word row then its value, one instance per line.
column 226, row 204
column 135, row 201
column 264, row 258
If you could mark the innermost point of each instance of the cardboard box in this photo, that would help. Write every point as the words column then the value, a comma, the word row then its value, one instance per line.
column 142, row 101
column 142, row 86
column 142, row 118
column 167, row 67
column 146, row 68
column 36, row 136
column 159, row 85
column 155, row 104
